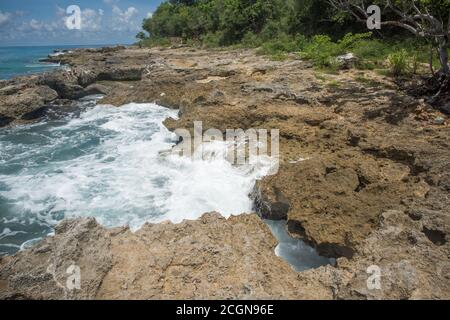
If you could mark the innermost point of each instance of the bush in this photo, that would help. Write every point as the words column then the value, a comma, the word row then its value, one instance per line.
column 283, row 44
column 398, row 62
column 155, row 42
column 321, row 50
column 350, row 40
column 251, row 40
column 212, row 40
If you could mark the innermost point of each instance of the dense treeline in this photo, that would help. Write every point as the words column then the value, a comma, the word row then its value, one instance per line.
column 226, row 22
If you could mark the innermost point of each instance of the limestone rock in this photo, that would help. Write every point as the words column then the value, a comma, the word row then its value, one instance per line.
column 211, row 258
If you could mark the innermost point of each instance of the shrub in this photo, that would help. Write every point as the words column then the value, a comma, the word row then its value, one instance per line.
column 251, row 40
column 398, row 62
column 155, row 42
column 282, row 44
column 321, row 50
column 212, row 40
column 350, row 40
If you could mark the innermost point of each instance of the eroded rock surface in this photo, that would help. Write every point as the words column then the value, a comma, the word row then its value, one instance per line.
column 208, row 258
column 364, row 177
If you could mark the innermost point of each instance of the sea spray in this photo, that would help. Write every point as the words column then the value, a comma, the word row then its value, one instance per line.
column 107, row 164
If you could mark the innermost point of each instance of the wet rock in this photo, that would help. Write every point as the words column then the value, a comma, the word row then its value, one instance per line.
column 273, row 206
column 18, row 101
column 64, row 83
column 35, row 114
column 4, row 120
column 86, row 77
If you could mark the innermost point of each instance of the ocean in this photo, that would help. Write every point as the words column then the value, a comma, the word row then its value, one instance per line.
column 16, row 61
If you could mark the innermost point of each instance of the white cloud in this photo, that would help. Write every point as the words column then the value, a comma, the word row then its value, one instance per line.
column 91, row 20
column 97, row 25
column 125, row 19
column 150, row 14
column 38, row 26
column 5, row 17
column 35, row 24
column 60, row 11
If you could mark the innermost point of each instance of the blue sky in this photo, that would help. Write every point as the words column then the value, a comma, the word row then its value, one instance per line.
column 42, row 22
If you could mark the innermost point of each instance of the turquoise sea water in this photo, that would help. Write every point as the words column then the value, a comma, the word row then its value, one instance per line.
column 25, row 60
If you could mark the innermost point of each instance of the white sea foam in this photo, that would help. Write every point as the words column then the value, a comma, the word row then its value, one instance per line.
column 43, row 65
column 8, row 233
column 107, row 164
column 110, row 163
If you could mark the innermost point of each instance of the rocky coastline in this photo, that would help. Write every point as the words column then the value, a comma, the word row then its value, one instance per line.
column 364, row 178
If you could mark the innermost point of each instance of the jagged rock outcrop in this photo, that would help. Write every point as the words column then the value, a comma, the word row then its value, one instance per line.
column 212, row 257
column 363, row 177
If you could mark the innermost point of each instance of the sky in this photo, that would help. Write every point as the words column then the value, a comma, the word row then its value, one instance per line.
column 43, row 22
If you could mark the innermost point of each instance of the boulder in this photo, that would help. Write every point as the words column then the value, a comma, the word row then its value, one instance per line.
column 347, row 61
column 23, row 102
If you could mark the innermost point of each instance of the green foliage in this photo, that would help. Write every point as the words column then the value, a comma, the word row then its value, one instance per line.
column 232, row 19
column 350, row 40
column 155, row 42
column 212, row 39
column 400, row 63
column 279, row 27
column 140, row 35
column 251, row 40
column 323, row 51
column 283, row 44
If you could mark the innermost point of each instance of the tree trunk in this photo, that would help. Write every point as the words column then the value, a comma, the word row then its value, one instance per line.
column 443, row 55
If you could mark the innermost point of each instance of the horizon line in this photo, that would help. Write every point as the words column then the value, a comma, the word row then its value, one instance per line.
column 55, row 45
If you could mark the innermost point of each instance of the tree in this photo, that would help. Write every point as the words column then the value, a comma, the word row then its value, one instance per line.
column 140, row 35
column 429, row 19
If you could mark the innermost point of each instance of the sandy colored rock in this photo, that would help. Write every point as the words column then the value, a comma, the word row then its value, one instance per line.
column 364, row 177
column 210, row 258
